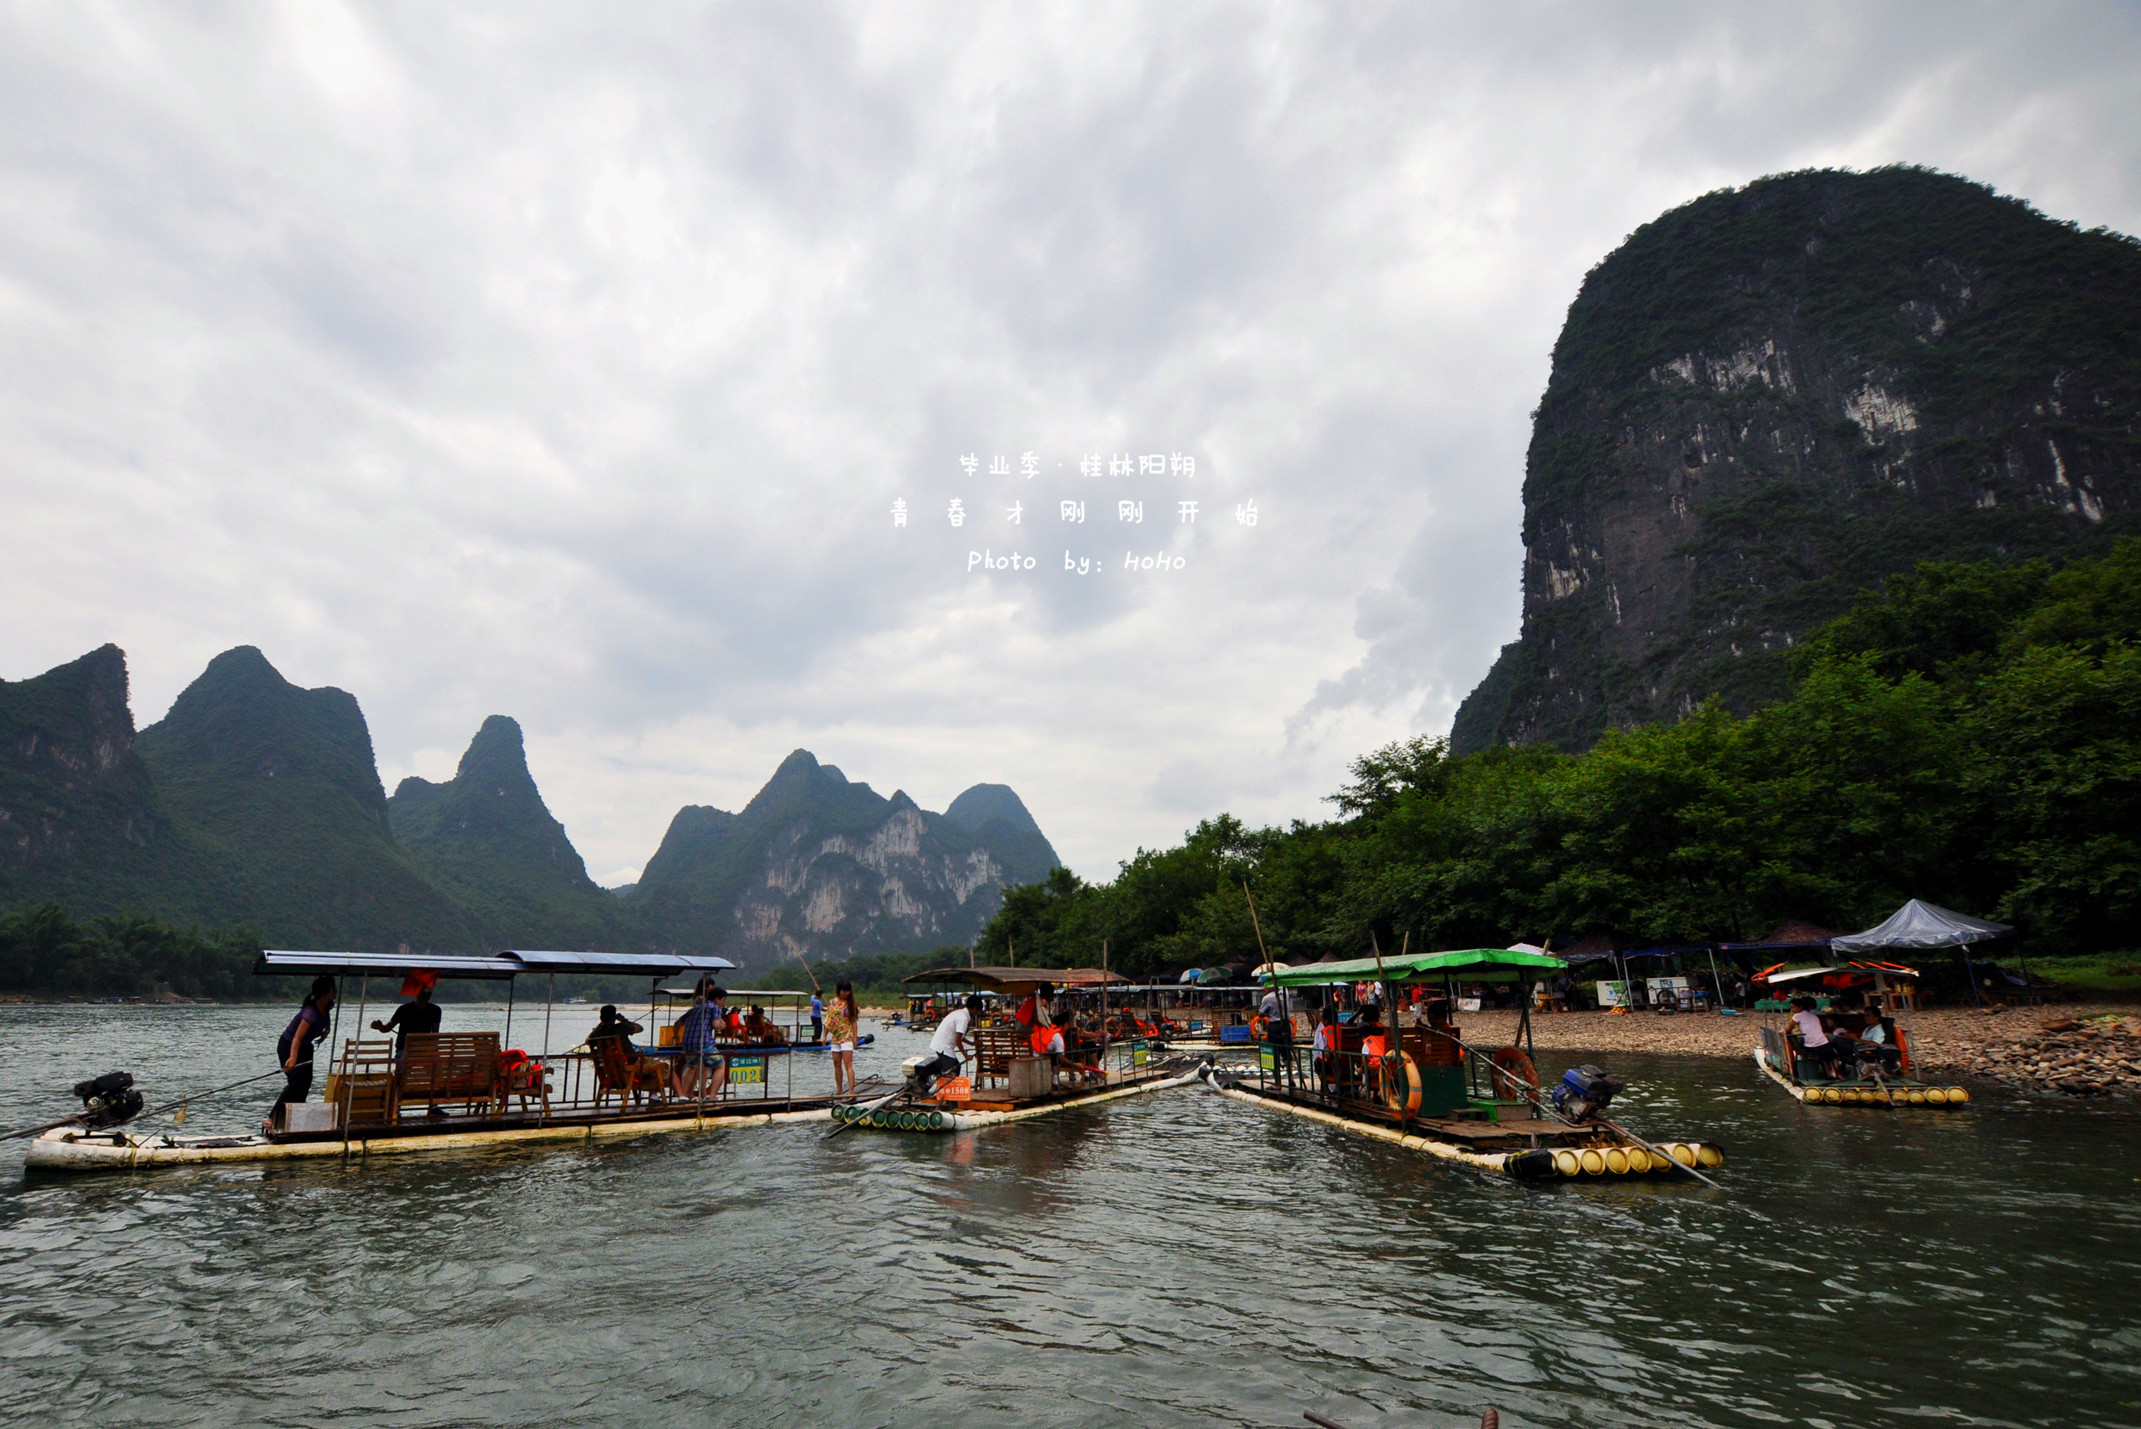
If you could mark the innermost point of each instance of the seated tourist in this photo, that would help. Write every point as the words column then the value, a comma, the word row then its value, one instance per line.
column 1815, row 1052
column 611, row 1028
column 1045, row 1039
column 1876, row 1044
column 760, row 1028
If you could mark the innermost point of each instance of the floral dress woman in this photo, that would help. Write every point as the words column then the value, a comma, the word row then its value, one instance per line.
column 842, row 1017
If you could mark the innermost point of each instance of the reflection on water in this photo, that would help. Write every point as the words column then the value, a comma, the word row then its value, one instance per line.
column 1172, row 1260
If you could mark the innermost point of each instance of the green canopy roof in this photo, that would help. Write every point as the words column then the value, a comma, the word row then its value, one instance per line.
column 1477, row 964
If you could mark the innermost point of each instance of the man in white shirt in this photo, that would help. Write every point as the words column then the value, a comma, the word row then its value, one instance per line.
column 948, row 1043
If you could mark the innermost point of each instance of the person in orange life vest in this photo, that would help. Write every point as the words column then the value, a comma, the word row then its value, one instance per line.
column 1373, row 1044
column 1033, row 1010
column 1046, row 1038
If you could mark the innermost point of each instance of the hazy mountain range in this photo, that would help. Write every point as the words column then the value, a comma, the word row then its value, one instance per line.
column 256, row 802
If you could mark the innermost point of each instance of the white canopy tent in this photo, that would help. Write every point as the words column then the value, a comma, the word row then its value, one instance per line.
column 1918, row 924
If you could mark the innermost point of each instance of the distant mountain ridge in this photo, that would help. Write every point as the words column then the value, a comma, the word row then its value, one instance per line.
column 818, row 865
column 256, row 802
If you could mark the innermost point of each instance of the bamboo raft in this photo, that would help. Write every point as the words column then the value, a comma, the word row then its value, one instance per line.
column 935, row 1118
column 1532, row 1151
column 1892, row 1095
column 121, row 1150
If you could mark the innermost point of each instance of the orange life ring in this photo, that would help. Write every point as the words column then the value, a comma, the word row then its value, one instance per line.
column 1260, row 1027
column 1401, row 1083
column 1510, row 1065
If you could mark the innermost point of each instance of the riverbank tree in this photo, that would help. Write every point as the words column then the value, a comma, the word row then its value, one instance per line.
column 1969, row 734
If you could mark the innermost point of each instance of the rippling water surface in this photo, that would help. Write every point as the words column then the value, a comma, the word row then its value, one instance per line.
column 1176, row 1259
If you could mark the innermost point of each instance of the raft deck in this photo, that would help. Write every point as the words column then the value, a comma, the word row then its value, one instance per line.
column 1531, row 1149
column 1891, row 1094
column 122, row 1149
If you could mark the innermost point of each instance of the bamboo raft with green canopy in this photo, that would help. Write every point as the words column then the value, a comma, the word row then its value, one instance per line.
column 1428, row 1089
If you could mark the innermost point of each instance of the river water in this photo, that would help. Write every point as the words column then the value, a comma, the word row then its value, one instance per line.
column 1177, row 1259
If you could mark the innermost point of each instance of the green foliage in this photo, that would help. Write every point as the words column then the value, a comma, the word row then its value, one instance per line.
column 1971, row 735
column 43, row 950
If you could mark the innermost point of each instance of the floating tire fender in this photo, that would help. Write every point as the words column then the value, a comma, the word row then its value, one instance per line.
column 1534, row 1165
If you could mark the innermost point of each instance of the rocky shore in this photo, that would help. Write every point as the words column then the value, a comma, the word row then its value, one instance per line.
column 2077, row 1049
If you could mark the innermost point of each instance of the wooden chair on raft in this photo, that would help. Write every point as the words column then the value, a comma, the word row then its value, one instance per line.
column 363, row 1083
column 614, row 1072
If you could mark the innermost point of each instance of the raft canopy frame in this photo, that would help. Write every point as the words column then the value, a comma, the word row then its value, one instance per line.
column 508, row 964
column 1470, row 964
column 1007, row 980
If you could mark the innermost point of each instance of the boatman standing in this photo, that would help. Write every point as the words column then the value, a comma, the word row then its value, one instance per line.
column 420, row 1016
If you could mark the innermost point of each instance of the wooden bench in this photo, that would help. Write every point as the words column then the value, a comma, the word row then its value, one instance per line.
column 450, row 1067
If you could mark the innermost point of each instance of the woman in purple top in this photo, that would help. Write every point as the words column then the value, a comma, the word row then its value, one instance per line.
column 294, row 1049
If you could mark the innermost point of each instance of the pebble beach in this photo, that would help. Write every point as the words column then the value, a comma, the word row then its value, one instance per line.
column 2075, row 1049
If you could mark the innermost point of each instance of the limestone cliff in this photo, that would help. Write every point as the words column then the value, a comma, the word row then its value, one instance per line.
column 487, row 837
column 79, row 816
column 819, row 865
column 1775, row 396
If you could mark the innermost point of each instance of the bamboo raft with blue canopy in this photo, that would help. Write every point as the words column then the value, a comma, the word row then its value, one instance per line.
column 1427, row 1089
column 462, row 1090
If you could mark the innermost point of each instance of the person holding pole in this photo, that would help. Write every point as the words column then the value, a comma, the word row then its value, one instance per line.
column 293, row 1051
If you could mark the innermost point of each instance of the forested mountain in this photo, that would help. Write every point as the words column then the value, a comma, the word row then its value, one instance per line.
column 1775, row 396
column 1969, row 734
column 487, row 838
column 80, row 818
column 280, row 784
column 821, row 866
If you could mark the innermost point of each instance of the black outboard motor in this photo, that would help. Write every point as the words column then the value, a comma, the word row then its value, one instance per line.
column 1584, row 1092
column 109, row 1100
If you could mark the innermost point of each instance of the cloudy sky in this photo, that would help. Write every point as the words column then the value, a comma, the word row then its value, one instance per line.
column 567, row 362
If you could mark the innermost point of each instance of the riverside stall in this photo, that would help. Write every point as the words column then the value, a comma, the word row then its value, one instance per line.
column 1429, row 1090
column 458, row 1090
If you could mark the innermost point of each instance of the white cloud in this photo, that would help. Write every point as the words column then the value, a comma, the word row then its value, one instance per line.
column 565, row 362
